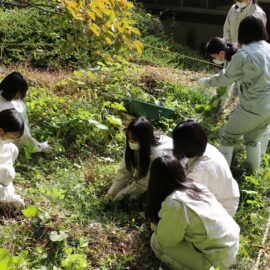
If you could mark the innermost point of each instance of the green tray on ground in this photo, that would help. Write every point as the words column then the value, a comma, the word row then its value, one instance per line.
column 149, row 110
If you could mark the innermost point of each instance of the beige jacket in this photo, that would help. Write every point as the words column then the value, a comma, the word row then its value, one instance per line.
column 127, row 183
column 235, row 16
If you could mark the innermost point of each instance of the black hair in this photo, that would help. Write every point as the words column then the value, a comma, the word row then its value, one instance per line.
column 142, row 131
column 166, row 176
column 12, row 84
column 189, row 139
column 11, row 121
column 216, row 44
column 251, row 29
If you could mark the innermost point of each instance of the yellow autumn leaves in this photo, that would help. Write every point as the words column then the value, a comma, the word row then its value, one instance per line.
column 110, row 21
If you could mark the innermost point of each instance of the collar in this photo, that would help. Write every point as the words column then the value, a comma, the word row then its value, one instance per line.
column 190, row 163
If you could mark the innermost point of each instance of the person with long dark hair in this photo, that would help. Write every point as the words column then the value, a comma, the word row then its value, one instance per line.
column 143, row 145
column 13, row 89
column 11, row 129
column 250, row 68
column 191, row 228
column 205, row 164
column 239, row 11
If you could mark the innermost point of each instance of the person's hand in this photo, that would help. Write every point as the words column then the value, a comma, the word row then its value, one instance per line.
column 203, row 82
column 153, row 226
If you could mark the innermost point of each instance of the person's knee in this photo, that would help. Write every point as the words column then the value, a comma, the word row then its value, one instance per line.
column 156, row 246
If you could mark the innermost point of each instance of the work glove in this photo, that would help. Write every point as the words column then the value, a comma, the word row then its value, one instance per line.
column 203, row 82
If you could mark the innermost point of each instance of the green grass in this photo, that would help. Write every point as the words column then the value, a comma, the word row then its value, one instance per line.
column 83, row 118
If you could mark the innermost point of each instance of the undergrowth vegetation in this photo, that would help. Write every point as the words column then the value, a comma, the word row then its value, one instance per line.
column 68, row 224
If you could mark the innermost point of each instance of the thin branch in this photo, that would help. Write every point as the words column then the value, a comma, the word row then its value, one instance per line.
column 27, row 5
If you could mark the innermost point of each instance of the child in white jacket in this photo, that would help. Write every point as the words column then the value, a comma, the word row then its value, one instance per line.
column 205, row 164
column 142, row 147
column 11, row 129
column 191, row 228
column 13, row 89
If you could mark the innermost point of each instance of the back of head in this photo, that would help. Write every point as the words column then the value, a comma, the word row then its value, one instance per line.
column 251, row 29
column 189, row 139
column 166, row 176
column 11, row 121
column 12, row 84
column 215, row 45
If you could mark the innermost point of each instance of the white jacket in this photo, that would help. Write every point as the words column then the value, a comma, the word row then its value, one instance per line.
column 127, row 183
column 21, row 108
column 205, row 224
column 234, row 17
column 8, row 155
column 212, row 170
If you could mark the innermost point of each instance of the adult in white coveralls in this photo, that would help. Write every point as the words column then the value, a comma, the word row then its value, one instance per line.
column 191, row 228
column 12, row 92
column 143, row 145
column 205, row 164
column 239, row 11
column 250, row 68
column 11, row 128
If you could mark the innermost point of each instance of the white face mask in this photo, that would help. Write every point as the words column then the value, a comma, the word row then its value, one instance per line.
column 218, row 62
column 134, row 146
column 241, row 4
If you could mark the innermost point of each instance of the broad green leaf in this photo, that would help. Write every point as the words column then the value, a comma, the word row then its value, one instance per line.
column 30, row 211
column 5, row 260
column 114, row 120
column 57, row 237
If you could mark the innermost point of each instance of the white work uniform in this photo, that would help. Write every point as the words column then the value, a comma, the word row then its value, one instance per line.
column 250, row 68
column 127, row 183
column 21, row 108
column 8, row 155
column 212, row 170
column 234, row 18
column 195, row 234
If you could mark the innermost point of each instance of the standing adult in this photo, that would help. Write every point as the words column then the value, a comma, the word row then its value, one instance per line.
column 250, row 68
column 239, row 11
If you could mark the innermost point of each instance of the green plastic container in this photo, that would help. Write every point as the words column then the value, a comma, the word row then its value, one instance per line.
column 149, row 110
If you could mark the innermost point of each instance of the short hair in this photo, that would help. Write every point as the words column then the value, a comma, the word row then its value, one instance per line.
column 11, row 121
column 251, row 29
column 189, row 139
column 12, row 84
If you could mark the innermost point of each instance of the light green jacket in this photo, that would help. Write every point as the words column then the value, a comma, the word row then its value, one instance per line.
column 250, row 68
column 205, row 224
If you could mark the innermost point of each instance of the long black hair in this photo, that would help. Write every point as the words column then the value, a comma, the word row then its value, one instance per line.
column 166, row 176
column 11, row 121
column 216, row 44
column 12, row 84
column 142, row 131
column 189, row 139
column 251, row 29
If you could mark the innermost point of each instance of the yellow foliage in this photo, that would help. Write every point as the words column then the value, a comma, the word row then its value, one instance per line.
column 109, row 20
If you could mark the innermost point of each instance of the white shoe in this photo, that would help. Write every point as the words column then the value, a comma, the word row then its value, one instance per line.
column 227, row 152
column 264, row 138
column 254, row 156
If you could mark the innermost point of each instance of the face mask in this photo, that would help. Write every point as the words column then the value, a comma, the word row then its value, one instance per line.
column 218, row 62
column 134, row 146
column 241, row 5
